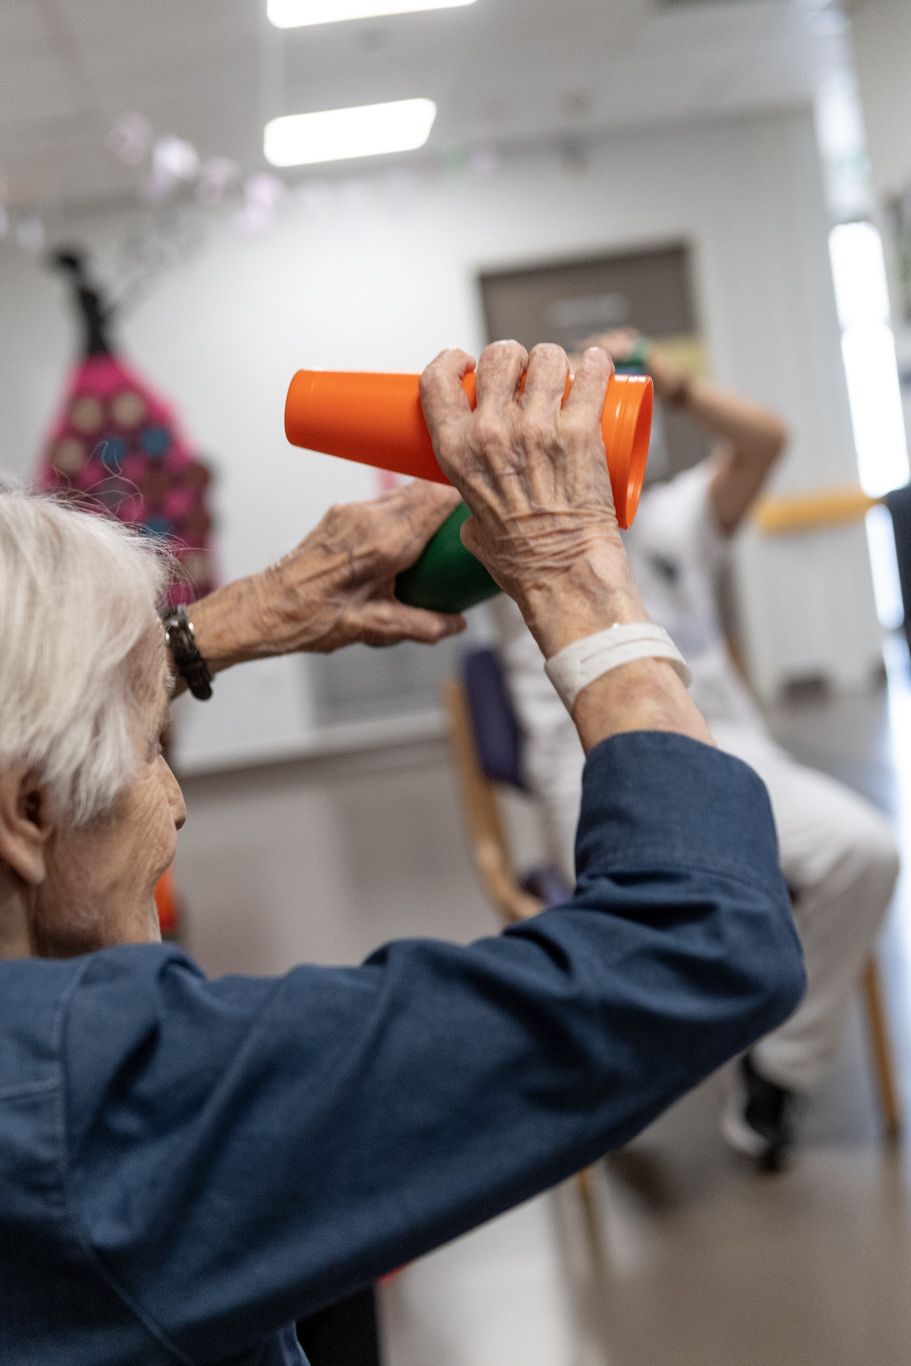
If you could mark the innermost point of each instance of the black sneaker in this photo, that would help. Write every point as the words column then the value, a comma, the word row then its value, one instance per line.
column 758, row 1121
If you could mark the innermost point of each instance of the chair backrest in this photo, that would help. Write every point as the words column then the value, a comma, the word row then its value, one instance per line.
column 477, row 768
column 495, row 727
column 487, row 752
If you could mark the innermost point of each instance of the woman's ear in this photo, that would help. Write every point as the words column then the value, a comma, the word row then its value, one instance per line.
column 25, row 824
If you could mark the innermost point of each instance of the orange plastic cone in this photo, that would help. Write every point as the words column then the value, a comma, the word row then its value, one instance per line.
column 166, row 904
column 378, row 420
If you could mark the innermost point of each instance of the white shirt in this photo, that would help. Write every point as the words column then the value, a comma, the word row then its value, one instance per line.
column 677, row 552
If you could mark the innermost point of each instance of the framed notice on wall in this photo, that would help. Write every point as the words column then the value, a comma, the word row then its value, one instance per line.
column 648, row 288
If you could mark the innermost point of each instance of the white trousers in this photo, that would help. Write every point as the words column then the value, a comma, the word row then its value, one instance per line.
column 838, row 856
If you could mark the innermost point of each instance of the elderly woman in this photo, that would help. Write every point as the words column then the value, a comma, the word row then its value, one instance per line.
column 187, row 1165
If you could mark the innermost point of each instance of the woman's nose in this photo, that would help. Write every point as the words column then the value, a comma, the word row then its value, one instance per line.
column 175, row 797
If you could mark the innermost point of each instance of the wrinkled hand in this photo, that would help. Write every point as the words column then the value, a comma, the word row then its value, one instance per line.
column 531, row 468
column 337, row 587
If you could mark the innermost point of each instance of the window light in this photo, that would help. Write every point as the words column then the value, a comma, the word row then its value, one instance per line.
column 868, row 349
column 367, row 130
column 298, row 13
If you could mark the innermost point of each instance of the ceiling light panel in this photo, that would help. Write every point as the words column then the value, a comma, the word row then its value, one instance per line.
column 368, row 130
column 299, row 13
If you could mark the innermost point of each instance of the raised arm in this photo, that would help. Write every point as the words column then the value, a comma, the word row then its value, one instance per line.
column 545, row 525
column 751, row 437
column 294, row 1139
column 334, row 589
column 288, row 1141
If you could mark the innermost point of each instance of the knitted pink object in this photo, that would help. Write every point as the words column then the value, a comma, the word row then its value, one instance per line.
column 117, row 448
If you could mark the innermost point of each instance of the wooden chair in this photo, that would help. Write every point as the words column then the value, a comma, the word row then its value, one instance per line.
column 881, row 1049
column 485, row 743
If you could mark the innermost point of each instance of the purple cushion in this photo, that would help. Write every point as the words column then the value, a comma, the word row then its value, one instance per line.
column 899, row 504
column 498, row 740
column 548, row 884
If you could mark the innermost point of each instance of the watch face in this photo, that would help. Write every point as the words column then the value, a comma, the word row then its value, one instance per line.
column 176, row 624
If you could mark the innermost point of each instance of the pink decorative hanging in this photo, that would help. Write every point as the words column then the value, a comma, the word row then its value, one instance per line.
column 117, row 447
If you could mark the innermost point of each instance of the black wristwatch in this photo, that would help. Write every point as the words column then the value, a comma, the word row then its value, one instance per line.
column 189, row 663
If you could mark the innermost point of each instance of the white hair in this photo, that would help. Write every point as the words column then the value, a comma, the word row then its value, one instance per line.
column 77, row 597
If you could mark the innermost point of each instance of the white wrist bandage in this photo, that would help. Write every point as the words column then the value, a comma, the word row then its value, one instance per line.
column 572, row 669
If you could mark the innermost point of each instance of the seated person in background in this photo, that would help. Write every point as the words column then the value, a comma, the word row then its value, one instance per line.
column 187, row 1165
column 838, row 854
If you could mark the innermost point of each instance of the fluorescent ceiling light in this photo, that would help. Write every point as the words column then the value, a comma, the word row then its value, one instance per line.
column 368, row 130
column 298, row 13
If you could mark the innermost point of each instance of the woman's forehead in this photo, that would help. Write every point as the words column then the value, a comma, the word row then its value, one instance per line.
column 154, row 680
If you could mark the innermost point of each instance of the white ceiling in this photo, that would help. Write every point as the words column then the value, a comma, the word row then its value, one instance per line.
column 502, row 71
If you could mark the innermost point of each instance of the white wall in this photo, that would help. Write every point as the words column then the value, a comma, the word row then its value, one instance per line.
column 382, row 274
column 321, row 860
column 882, row 51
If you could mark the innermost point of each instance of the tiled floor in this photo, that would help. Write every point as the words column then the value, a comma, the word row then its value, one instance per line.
column 689, row 1259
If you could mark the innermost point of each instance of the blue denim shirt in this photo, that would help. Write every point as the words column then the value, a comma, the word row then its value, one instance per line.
column 187, row 1165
